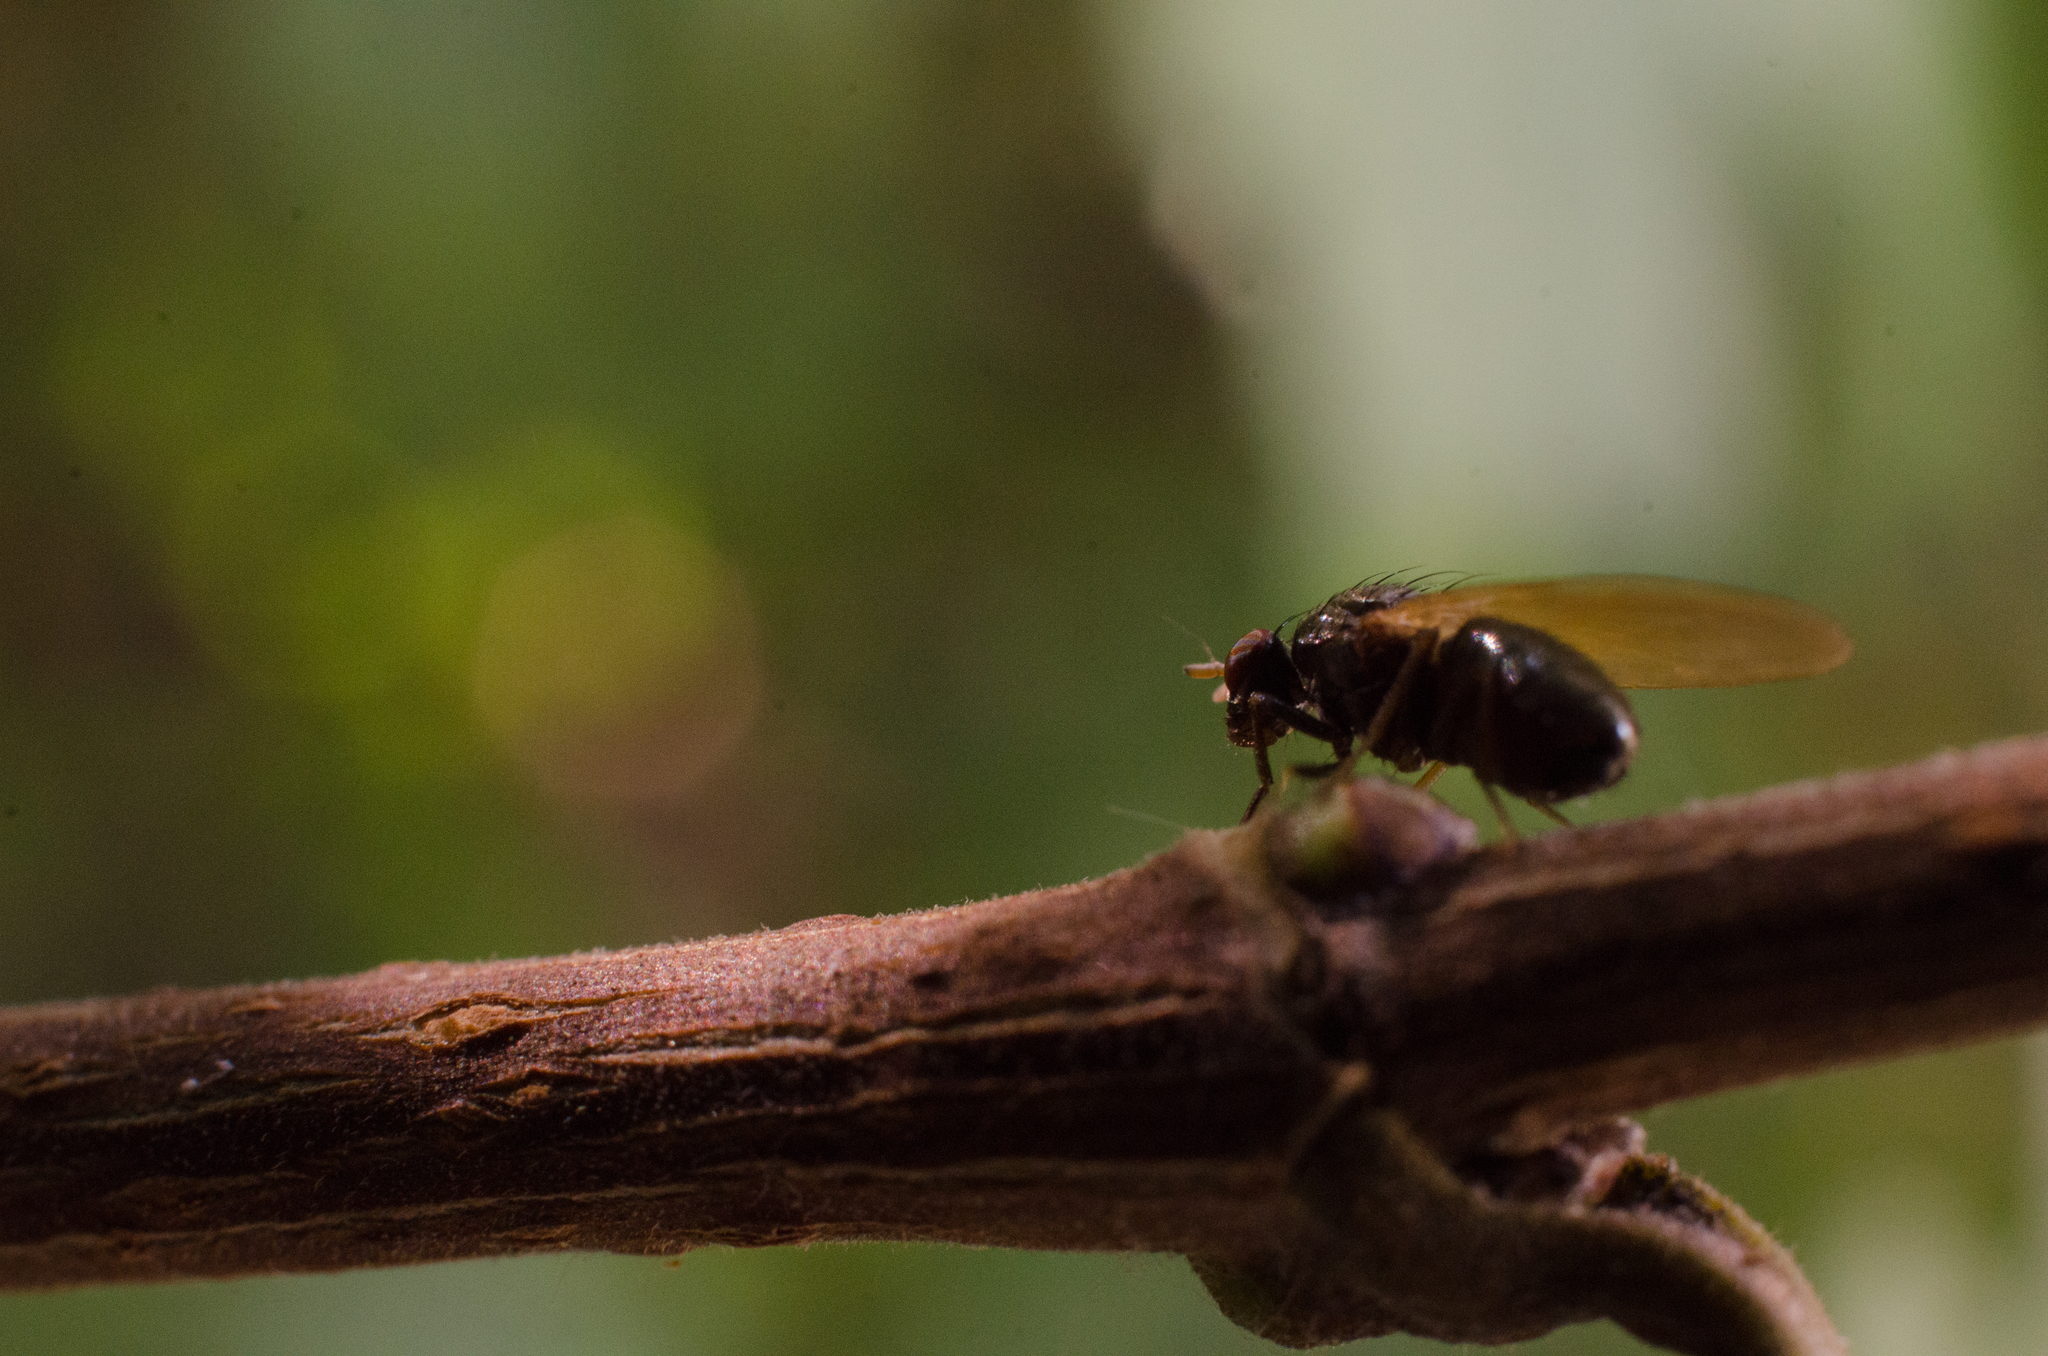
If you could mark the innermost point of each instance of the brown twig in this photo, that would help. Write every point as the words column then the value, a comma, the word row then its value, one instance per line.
column 1359, row 1069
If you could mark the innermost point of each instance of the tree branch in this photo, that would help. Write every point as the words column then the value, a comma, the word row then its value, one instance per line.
column 1360, row 1070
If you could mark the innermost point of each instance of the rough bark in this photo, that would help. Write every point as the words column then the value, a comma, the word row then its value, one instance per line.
column 1362, row 1071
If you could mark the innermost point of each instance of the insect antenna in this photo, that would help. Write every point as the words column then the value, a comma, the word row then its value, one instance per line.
column 1191, row 636
column 1212, row 669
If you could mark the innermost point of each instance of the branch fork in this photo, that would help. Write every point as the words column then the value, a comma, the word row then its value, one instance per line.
column 1366, row 1074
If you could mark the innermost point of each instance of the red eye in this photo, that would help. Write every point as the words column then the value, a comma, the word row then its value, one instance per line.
column 1257, row 663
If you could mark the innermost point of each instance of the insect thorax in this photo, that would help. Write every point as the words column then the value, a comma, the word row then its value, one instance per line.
column 1348, row 665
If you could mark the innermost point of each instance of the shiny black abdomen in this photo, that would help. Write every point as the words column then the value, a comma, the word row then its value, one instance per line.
column 1524, row 711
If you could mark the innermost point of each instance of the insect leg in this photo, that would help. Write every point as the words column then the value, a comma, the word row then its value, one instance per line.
column 1549, row 812
column 1265, row 765
column 1315, row 727
column 1430, row 774
column 1269, row 713
column 1418, row 650
column 1500, row 812
column 1268, row 707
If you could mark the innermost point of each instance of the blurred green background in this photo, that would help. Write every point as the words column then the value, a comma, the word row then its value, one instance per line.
column 485, row 479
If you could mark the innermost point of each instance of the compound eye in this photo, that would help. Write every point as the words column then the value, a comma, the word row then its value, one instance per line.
column 1254, row 664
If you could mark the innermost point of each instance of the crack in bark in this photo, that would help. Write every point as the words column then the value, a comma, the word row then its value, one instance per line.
column 1364, row 1072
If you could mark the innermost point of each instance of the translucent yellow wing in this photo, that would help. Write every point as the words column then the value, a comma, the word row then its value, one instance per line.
column 1647, row 631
